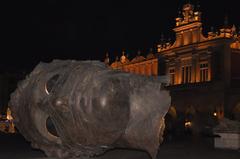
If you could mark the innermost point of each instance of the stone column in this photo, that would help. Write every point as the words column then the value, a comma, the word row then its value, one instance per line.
column 178, row 71
column 209, row 66
column 197, row 69
column 194, row 68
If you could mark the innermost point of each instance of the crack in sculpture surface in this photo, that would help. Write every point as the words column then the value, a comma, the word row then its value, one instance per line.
column 93, row 109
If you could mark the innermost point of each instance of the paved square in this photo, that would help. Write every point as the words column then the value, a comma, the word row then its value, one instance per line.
column 16, row 147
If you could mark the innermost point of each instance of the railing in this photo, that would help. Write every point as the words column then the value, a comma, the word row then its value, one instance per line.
column 196, row 85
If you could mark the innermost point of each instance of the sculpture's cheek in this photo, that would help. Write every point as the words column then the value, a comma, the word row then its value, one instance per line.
column 110, row 111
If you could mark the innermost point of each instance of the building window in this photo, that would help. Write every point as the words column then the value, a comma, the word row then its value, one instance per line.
column 172, row 76
column 186, row 74
column 203, row 72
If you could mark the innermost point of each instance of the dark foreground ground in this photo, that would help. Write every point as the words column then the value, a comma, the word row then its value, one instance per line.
column 16, row 147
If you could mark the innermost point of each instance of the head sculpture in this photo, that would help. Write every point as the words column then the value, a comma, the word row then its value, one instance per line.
column 91, row 107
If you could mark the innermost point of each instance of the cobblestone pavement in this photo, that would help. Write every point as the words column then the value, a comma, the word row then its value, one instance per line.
column 15, row 147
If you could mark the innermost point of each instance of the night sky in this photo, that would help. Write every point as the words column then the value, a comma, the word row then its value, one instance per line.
column 43, row 30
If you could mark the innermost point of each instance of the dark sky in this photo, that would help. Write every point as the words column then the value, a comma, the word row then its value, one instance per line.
column 43, row 30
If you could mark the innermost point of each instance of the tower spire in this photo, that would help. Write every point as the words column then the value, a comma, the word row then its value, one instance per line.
column 234, row 30
column 116, row 59
column 179, row 11
column 107, row 60
column 198, row 6
column 139, row 52
column 123, row 57
column 212, row 29
column 226, row 21
column 188, row 2
column 162, row 38
column 151, row 50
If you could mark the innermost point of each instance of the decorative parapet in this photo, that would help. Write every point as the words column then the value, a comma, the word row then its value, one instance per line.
column 124, row 60
column 225, row 32
column 187, row 37
column 189, row 31
column 189, row 15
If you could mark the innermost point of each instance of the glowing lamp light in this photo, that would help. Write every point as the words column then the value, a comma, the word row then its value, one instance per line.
column 9, row 116
column 215, row 114
column 188, row 124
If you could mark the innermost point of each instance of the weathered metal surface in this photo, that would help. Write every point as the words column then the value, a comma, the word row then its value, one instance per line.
column 93, row 109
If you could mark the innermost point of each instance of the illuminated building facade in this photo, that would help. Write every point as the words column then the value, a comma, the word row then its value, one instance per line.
column 204, row 71
column 138, row 65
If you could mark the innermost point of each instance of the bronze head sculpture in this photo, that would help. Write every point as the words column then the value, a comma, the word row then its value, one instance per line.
column 92, row 108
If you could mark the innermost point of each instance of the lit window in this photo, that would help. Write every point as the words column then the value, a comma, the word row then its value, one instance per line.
column 203, row 72
column 215, row 114
column 188, row 124
column 186, row 74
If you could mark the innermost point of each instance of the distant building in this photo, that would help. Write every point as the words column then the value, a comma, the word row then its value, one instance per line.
column 204, row 71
